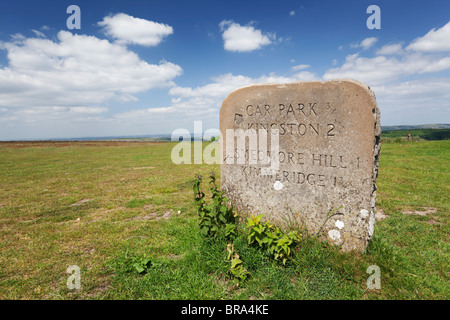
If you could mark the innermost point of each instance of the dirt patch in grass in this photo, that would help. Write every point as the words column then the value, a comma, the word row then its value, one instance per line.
column 421, row 212
column 101, row 288
column 103, row 213
column 153, row 216
column 173, row 256
column 79, row 203
column 379, row 215
column 432, row 222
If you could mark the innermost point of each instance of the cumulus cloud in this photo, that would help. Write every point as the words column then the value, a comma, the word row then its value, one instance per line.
column 127, row 29
column 243, row 38
column 365, row 44
column 403, row 103
column 436, row 40
column 224, row 84
column 405, row 80
column 300, row 67
column 382, row 69
column 204, row 102
column 53, row 122
column 69, row 80
column 390, row 49
column 38, row 33
column 392, row 62
column 76, row 70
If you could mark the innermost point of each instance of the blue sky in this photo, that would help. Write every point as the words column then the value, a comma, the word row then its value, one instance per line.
column 150, row 67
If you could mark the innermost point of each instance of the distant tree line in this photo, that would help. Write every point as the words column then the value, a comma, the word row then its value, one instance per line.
column 426, row 134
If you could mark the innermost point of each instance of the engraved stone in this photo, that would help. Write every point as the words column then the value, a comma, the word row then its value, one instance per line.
column 328, row 147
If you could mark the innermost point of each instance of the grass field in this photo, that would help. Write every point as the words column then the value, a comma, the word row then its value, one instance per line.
column 105, row 206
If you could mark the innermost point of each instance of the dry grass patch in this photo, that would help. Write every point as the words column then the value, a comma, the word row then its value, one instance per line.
column 379, row 214
column 79, row 203
column 421, row 212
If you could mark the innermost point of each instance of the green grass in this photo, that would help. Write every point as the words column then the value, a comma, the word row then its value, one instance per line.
column 104, row 206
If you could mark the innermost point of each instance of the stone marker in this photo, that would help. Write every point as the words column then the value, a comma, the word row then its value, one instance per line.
column 328, row 148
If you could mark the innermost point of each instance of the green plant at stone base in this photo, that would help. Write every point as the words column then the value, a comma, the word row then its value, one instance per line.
column 230, row 231
column 282, row 246
column 263, row 233
column 267, row 236
column 216, row 217
column 237, row 266
column 329, row 215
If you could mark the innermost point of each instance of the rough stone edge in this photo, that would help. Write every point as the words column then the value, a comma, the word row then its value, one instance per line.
column 376, row 156
column 361, row 84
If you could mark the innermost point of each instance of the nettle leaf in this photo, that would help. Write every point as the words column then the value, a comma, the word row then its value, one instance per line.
column 235, row 262
column 260, row 240
column 222, row 218
column 271, row 250
column 204, row 231
column 147, row 262
column 206, row 222
column 139, row 268
column 230, row 228
column 258, row 229
column 224, row 209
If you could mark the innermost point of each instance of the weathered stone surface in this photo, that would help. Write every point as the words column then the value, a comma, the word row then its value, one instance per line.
column 329, row 144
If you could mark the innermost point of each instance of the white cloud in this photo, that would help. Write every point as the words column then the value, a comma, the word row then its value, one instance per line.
column 127, row 29
column 88, row 110
column 436, row 40
column 305, row 76
column 18, row 37
column 243, row 38
column 300, row 67
column 59, row 110
column 426, row 100
column 390, row 49
column 49, row 119
column 365, row 44
column 368, row 42
column 292, row 13
column 382, row 69
column 203, row 103
column 76, row 70
column 392, row 62
column 54, row 122
column 224, row 84
column 38, row 33
column 405, row 81
column 70, row 80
